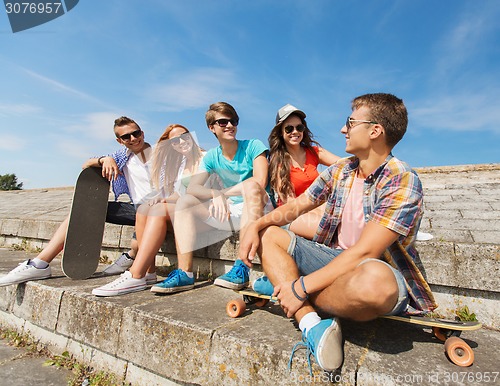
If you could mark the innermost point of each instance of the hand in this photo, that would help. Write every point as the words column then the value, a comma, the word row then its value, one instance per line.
column 110, row 169
column 288, row 301
column 219, row 208
column 249, row 243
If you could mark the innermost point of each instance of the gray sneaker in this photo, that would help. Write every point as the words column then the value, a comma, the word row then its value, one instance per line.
column 25, row 272
column 123, row 263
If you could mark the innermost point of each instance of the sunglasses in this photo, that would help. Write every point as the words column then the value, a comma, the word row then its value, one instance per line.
column 349, row 123
column 300, row 128
column 177, row 140
column 135, row 134
column 223, row 122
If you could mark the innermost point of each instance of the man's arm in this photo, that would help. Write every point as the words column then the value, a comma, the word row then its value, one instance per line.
column 285, row 214
column 109, row 167
column 374, row 240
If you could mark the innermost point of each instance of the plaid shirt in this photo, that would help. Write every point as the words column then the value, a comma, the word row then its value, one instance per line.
column 120, row 185
column 392, row 198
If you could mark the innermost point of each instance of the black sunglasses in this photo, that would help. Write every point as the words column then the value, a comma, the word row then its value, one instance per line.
column 176, row 140
column 223, row 122
column 135, row 134
column 300, row 128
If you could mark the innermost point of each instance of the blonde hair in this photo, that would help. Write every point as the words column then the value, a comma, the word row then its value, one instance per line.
column 167, row 161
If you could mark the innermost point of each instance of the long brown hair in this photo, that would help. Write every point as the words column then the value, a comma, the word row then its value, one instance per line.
column 167, row 161
column 280, row 160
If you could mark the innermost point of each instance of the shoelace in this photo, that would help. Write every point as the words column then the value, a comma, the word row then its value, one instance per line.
column 310, row 351
column 120, row 280
column 237, row 271
column 175, row 274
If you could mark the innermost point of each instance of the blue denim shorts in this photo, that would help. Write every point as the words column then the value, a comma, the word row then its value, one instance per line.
column 311, row 256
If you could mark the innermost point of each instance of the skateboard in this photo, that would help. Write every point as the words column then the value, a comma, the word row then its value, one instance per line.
column 447, row 331
column 237, row 307
column 82, row 247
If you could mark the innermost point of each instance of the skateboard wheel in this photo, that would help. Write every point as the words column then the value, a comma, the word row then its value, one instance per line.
column 459, row 352
column 441, row 333
column 235, row 308
column 261, row 302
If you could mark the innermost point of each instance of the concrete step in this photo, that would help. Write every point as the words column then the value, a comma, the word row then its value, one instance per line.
column 187, row 338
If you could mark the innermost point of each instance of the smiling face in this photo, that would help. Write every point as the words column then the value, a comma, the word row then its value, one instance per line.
column 131, row 136
column 358, row 136
column 294, row 138
column 223, row 127
column 181, row 140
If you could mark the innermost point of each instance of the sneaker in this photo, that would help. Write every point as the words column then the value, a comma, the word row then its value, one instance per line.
column 237, row 278
column 422, row 236
column 263, row 286
column 324, row 341
column 123, row 285
column 176, row 281
column 151, row 278
column 25, row 272
column 123, row 263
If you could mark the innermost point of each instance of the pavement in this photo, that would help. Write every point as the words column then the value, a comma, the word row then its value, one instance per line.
column 20, row 367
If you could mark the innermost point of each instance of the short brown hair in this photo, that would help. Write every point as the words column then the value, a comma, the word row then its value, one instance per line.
column 220, row 107
column 123, row 121
column 387, row 110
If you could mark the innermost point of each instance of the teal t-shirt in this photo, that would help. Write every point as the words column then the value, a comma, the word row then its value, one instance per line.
column 239, row 169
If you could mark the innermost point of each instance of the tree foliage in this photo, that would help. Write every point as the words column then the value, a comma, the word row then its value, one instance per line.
column 9, row 182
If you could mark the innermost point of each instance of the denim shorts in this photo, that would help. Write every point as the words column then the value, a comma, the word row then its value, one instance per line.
column 311, row 256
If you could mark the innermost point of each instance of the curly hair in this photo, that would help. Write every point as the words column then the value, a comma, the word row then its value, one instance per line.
column 167, row 161
column 280, row 160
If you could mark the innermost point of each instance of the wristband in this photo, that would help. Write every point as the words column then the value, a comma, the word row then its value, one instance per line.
column 303, row 286
column 99, row 160
column 302, row 299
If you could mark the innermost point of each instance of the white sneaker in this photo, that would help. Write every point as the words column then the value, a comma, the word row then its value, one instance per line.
column 422, row 236
column 123, row 263
column 151, row 278
column 123, row 285
column 25, row 272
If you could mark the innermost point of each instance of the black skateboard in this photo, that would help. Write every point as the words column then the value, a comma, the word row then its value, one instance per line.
column 82, row 248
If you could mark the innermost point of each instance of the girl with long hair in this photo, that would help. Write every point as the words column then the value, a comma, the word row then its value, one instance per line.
column 175, row 159
column 294, row 156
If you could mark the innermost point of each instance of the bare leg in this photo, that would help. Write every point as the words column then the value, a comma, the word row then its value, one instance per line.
column 56, row 243
column 278, row 265
column 189, row 213
column 151, row 233
column 363, row 294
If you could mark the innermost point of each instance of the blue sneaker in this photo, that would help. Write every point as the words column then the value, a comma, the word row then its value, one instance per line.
column 237, row 278
column 263, row 286
column 176, row 281
column 324, row 341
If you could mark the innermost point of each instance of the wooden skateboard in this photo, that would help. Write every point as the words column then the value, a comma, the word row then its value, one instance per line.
column 447, row 331
column 82, row 248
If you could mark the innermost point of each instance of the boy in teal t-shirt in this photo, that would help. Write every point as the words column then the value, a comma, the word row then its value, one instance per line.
column 240, row 168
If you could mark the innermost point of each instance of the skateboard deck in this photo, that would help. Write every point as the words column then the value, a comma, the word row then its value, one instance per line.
column 447, row 331
column 82, row 247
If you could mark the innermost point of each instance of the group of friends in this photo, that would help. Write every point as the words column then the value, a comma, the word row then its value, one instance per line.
column 339, row 243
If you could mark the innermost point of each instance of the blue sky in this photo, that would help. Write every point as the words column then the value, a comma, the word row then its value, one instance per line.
column 160, row 61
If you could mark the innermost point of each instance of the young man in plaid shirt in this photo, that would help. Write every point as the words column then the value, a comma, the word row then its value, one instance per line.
column 361, row 262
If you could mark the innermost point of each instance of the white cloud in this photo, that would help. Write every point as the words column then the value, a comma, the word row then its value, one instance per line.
column 11, row 142
column 195, row 90
column 19, row 109
column 462, row 112
column 97, row 126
